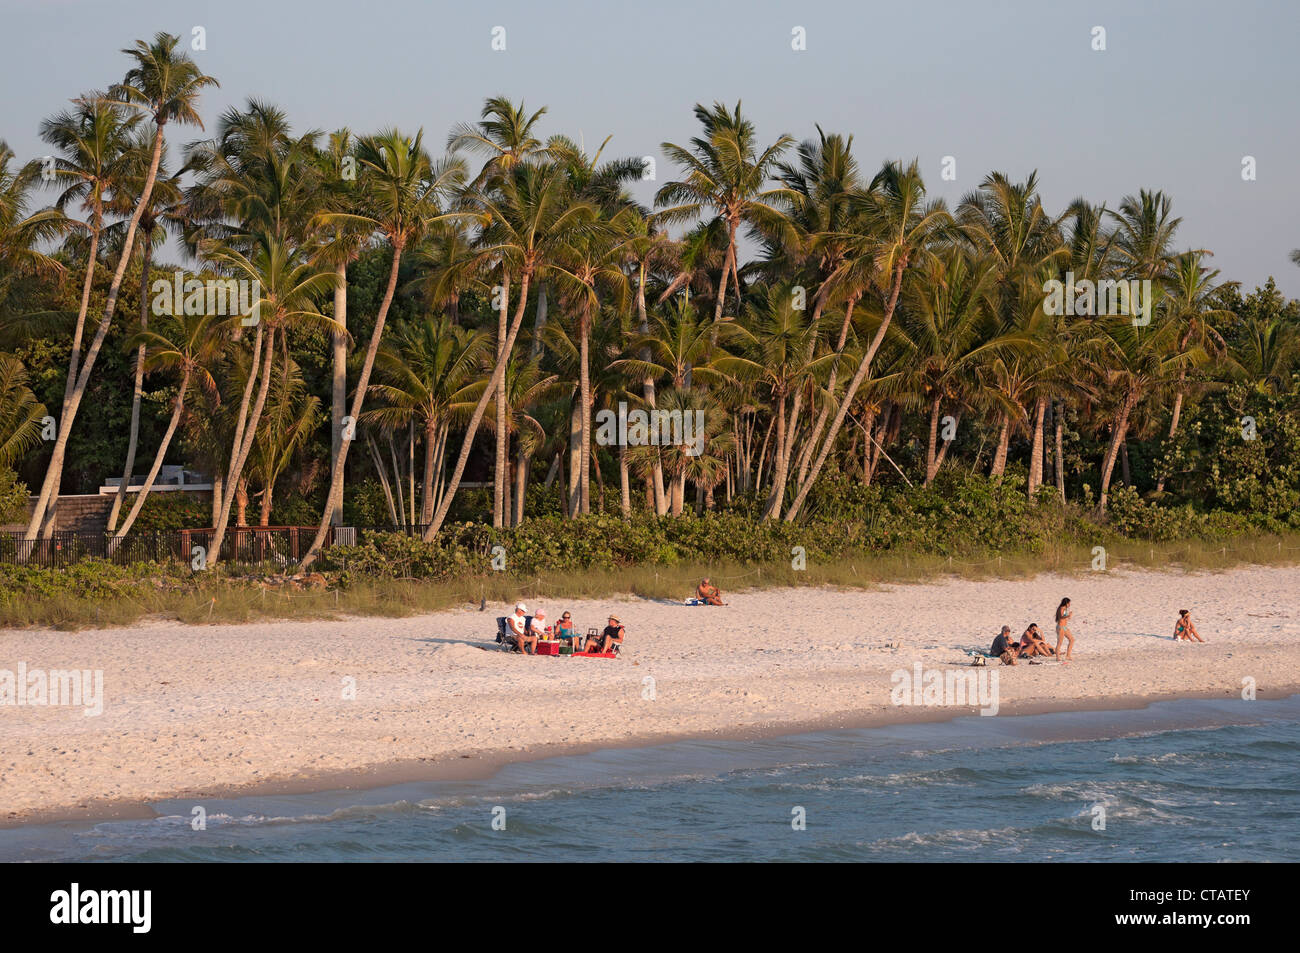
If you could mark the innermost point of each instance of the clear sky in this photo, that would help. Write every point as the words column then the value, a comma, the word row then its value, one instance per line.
column 1182, row 92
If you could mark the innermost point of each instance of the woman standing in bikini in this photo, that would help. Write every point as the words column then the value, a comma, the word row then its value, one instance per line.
column 1063, row 613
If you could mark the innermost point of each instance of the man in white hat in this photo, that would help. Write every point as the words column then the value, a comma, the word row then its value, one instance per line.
column 518, row 623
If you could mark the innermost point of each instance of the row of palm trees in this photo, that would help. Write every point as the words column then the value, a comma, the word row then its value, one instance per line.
column 537, row 291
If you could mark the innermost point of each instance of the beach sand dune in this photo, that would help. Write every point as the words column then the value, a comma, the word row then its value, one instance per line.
column 195, row 711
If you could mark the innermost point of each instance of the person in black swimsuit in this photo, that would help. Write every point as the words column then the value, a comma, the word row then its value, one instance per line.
column 605, row 642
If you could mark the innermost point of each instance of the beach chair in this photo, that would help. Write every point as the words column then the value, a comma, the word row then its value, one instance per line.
column 505, row 638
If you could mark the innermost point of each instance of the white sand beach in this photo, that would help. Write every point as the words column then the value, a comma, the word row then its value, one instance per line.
column 195, row 711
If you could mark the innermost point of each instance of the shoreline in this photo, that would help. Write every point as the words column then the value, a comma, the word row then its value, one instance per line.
column 288, row 707
column 489, row 764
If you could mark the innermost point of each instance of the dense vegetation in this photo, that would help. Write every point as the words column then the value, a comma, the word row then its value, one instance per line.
column 884, row 373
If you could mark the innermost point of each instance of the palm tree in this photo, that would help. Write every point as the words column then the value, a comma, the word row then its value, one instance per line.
column 186, row 345
column 1189, row 303
column 505, row 136
column 726, row 173
column 22, row 230
column 20, row 412
column 406, row 193
column 1131, row 362
column 528, row 219
column 92, row 140
column 291, row 285
column 893, row 231
column 591, row 260
column 166, row 204
column 165, row 85
column 1007, row 222
column 680, row 348
column 290, row 417
column 427, row 373
column 1144, row 234
column 951, row 329
column 340, row 245
column 778, row 340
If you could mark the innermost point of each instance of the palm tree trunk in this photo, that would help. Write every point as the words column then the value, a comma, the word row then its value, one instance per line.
column 896, row 286
column 726, row 267
column 575, row 448
column 410, row 465
column 54, row 471
column 138, row 390
column 624, row 482
column 805, row 455
column 438, row 459
column 358, row 397
column 154, row 468
column 498, row 374
column 239, row 451
column 1060, row 453
column 339, row 384
column 397, row 480
column 931, row 456
column 377, row 459
column 648, row 390
column 1119, row 431
column 584, row 388
column 1036, row 448
column 430, row 445
column 539, row 324
column 521, row 485
column 1000, row 455
column 678, row 493
column 1173, row 429
column 502, row 438
column 1123, row 463
column 780, row 464
column 264, row 511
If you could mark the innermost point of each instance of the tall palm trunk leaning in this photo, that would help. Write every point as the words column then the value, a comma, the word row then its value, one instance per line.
column 167, row 86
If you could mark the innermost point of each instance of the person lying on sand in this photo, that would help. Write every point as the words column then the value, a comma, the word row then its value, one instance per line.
column 1184, row 629
column 605, row 642
column 709, row 593
column 520, row 629
column 1032, row 643
column 1004, row 648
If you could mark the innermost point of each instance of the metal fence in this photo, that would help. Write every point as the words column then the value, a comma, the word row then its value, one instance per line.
column 276, row 547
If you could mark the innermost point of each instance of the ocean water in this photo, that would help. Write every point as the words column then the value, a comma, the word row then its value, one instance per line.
column 1178, row 781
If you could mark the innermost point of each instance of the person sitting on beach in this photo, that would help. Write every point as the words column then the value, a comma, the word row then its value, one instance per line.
column 520, row 629
column 1004, row 648
column 605, row 642
column 709, row 594
column 538, row 627
column 1184, row 629
column 564, row 629
column 1032, row 642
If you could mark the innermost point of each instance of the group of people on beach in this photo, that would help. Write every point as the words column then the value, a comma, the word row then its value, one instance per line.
column 529, row 630
column 1033, row 644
